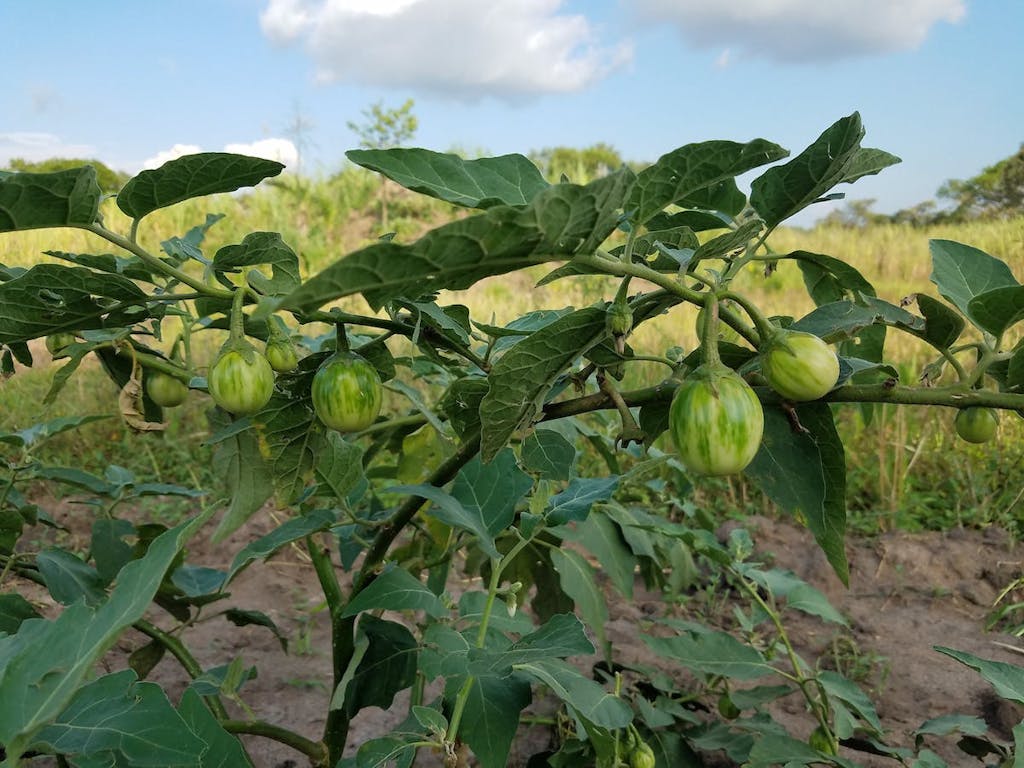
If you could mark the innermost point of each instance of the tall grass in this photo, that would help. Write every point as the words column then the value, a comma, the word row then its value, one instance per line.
column 905, row 469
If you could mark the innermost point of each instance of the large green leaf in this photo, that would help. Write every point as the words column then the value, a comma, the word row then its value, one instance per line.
column 396, row 590
column 797, row 593
column 579, row 581
column 223, row 750
column 713, row 653
column 44, row 430
column 206, row 173
column 481, row 183
column 262, row 248
column 451, row 511
column 574, row 502
column 116, row 713
column 1007, row 679
column 69, row 578
column 548, row 455
column 561, row 636
column 589, row 699
column 603, row 539
column 387, row 666
column 237, row 458
column 962, row 272
column 684, row 173
column 37, row 685
column 14, row 609
column 491, row 491
column 61, row 199
column 996, row 310
column 522, row 376
column 781, row 191
column 491, row 717
column 293, row 530
column 805, row 474
column 942, row 324
column 559, row 222
column 52, row 297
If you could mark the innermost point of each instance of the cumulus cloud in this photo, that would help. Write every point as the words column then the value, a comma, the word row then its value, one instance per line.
column 281, row 150
column 35, row 146
column 804, row 30
column 467, row 49
column 178, row 150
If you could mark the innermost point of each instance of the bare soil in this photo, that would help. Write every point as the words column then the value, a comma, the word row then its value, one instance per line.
column 908, row 593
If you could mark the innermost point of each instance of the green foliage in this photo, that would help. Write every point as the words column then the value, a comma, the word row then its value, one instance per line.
column 996, row 192
column 109, row 179
column 533, row 518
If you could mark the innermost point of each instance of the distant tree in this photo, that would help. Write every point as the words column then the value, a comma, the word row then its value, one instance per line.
column 109, row 179
column 856, row 214
column 385, row 128
column 578, row 165
column 996, row 192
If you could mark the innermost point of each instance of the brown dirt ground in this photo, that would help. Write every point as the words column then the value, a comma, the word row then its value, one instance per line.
column 907, row 593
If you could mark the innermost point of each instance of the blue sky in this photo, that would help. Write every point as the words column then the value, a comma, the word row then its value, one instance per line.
column 938, row 82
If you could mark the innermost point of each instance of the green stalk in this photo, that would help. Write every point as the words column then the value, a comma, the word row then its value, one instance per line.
column 709, row 337
column 314, row 750
column 158, row 265
column 237, row 316
column 761, row 324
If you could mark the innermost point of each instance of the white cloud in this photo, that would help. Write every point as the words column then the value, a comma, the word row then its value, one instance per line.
column 281, row 150
column 463, row 48
column 804, row 30
column 34, row 146
column 724, row 59
column 178, row 150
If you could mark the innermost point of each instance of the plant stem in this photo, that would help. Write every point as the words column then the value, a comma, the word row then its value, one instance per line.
column 314, row 750
column 342, row 645
column 157, row 264
column 188, row 662
column 709, row 337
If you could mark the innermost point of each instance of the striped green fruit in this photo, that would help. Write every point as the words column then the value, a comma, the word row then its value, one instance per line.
column 799, row 366
column 241, row 383
column 347, row 393
column 716, row 421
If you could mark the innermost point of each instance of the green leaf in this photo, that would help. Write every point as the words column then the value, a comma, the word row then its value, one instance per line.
column 36, row 200
column 382, row 753
column 713, row 653
column 491, row 492
column 798, row 594
column 996, row 310
column 451, row 511
column 223, row 749
column 942, row 325
column 578, row 580
column 293, row 530
column 396, row 590
column 38, row 685
column 1007, row 679
column 771, row 749
column 946, row 725
column 805, row 474
column 116, row 713
column 244, row 618
column 560, row 221
column 491, row 717
column 68, row 578
column 262, row 248
column 786, row 189
column 563, row 635
column 962, row 272
column 339, row 466
column 726, row 244
column 829, row 279
column 109, row 549
column 589, row 699
column 240, row 462
column 838, row 687
column 481, row 183
column 522, row 377
column 387, row 667
column 868, row 162
column 686, row 172
column 548, row 455
column 52, row 297
column 206, row 173
column 198, row 580
column 604, row 541
column 44, row 430
column 14, row 609
column 574, row 503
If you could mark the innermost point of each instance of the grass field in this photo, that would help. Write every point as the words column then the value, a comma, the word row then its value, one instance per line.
column 906, row 469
